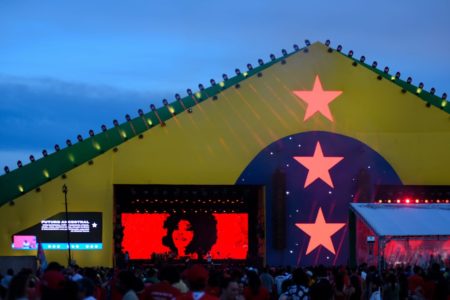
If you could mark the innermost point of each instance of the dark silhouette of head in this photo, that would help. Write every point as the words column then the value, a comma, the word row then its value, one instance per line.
column 197, row 233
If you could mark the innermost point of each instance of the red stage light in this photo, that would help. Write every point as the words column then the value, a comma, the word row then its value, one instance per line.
column 398, row 200
column 417, row 200
column 407, row 200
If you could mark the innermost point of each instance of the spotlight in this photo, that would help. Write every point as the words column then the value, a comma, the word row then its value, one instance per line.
column 189, row 92
column 362, row 59
column 272, row 57
column 327, row 43
column 19, row 164
column 177, row 97
column 140, row 112
column 409, row 80
column 127, row 117
column 249, row 67
column 201, row 87
column 296, row 47
column 225, row 77
column 91, row 132
column 350, row 53
column 152, row 107
column 284, row 52
column 115, row 122
column 421, row 85
column 32, row 158
column 444, row 96
column 6, row 168
column 165, row 102
column 212, row 82
column 397, row 75
column 238, row 72
column 44, row 153
column 374, row 64
column 307, row 43
column 386, row 70
column 104, row 128
column 57, row 148
column 79, row 138
column 432, row 91
column 68, row 143
column 339, row 48
column 260, row 62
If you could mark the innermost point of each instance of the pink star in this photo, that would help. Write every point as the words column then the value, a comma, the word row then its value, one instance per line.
column 318, row 166
column 317, row 100
column 320, row 232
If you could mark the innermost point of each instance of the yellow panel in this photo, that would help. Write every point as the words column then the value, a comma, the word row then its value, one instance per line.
column 215, row 143
column 89, row 190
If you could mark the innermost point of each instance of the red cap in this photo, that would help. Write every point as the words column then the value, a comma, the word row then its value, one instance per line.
column 196, row 273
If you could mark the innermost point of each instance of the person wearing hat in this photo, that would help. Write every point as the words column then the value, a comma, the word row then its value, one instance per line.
column 196, row 277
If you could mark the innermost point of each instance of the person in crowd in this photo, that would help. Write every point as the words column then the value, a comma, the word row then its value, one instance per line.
column 230, row 289
column 267, row 280
column 7, row 278
column 298, row 288
column 391, row 287
column 163, row 290
column 17, row 289
column 375, row 292
column 416, row 283
column 322, row 288
column 86, row 289
column 129, row 285
column 255, row 290
column 196, row 277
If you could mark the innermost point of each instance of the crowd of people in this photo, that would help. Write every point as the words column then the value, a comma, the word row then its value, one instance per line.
column 226, row 282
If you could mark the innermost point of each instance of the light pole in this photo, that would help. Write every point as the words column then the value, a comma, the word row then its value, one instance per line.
column 65, row 190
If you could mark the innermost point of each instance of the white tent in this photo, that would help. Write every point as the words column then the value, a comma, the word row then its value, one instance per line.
column 402, row 220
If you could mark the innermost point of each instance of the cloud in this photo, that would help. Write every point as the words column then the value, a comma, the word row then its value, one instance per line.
column 37, row 113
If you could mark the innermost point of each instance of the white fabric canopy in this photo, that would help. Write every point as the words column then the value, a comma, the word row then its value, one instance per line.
column 405, row 219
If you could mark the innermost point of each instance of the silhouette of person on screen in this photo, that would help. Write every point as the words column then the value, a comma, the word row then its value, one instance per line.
column 189, row 234
column 26, row 244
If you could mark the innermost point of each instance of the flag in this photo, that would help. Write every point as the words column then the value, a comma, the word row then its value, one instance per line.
column 41, row 258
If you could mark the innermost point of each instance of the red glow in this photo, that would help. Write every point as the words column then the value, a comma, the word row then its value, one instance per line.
column 317, row 100
column 407, row 200
column 318, row 166
column 143, row 235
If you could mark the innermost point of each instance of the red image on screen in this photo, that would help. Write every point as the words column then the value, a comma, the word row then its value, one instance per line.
column 223, row 236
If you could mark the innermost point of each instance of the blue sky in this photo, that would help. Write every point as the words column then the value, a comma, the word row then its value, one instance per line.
column 69, row 66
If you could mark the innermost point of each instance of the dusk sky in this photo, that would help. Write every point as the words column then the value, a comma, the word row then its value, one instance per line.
column 67, row 67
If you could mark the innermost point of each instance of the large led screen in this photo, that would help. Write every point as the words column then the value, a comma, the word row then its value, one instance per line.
column 220, row 235
column 85, row 233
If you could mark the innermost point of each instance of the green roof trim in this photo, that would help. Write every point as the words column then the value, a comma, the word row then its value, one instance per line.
column 34, row 174
column 428, row 97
